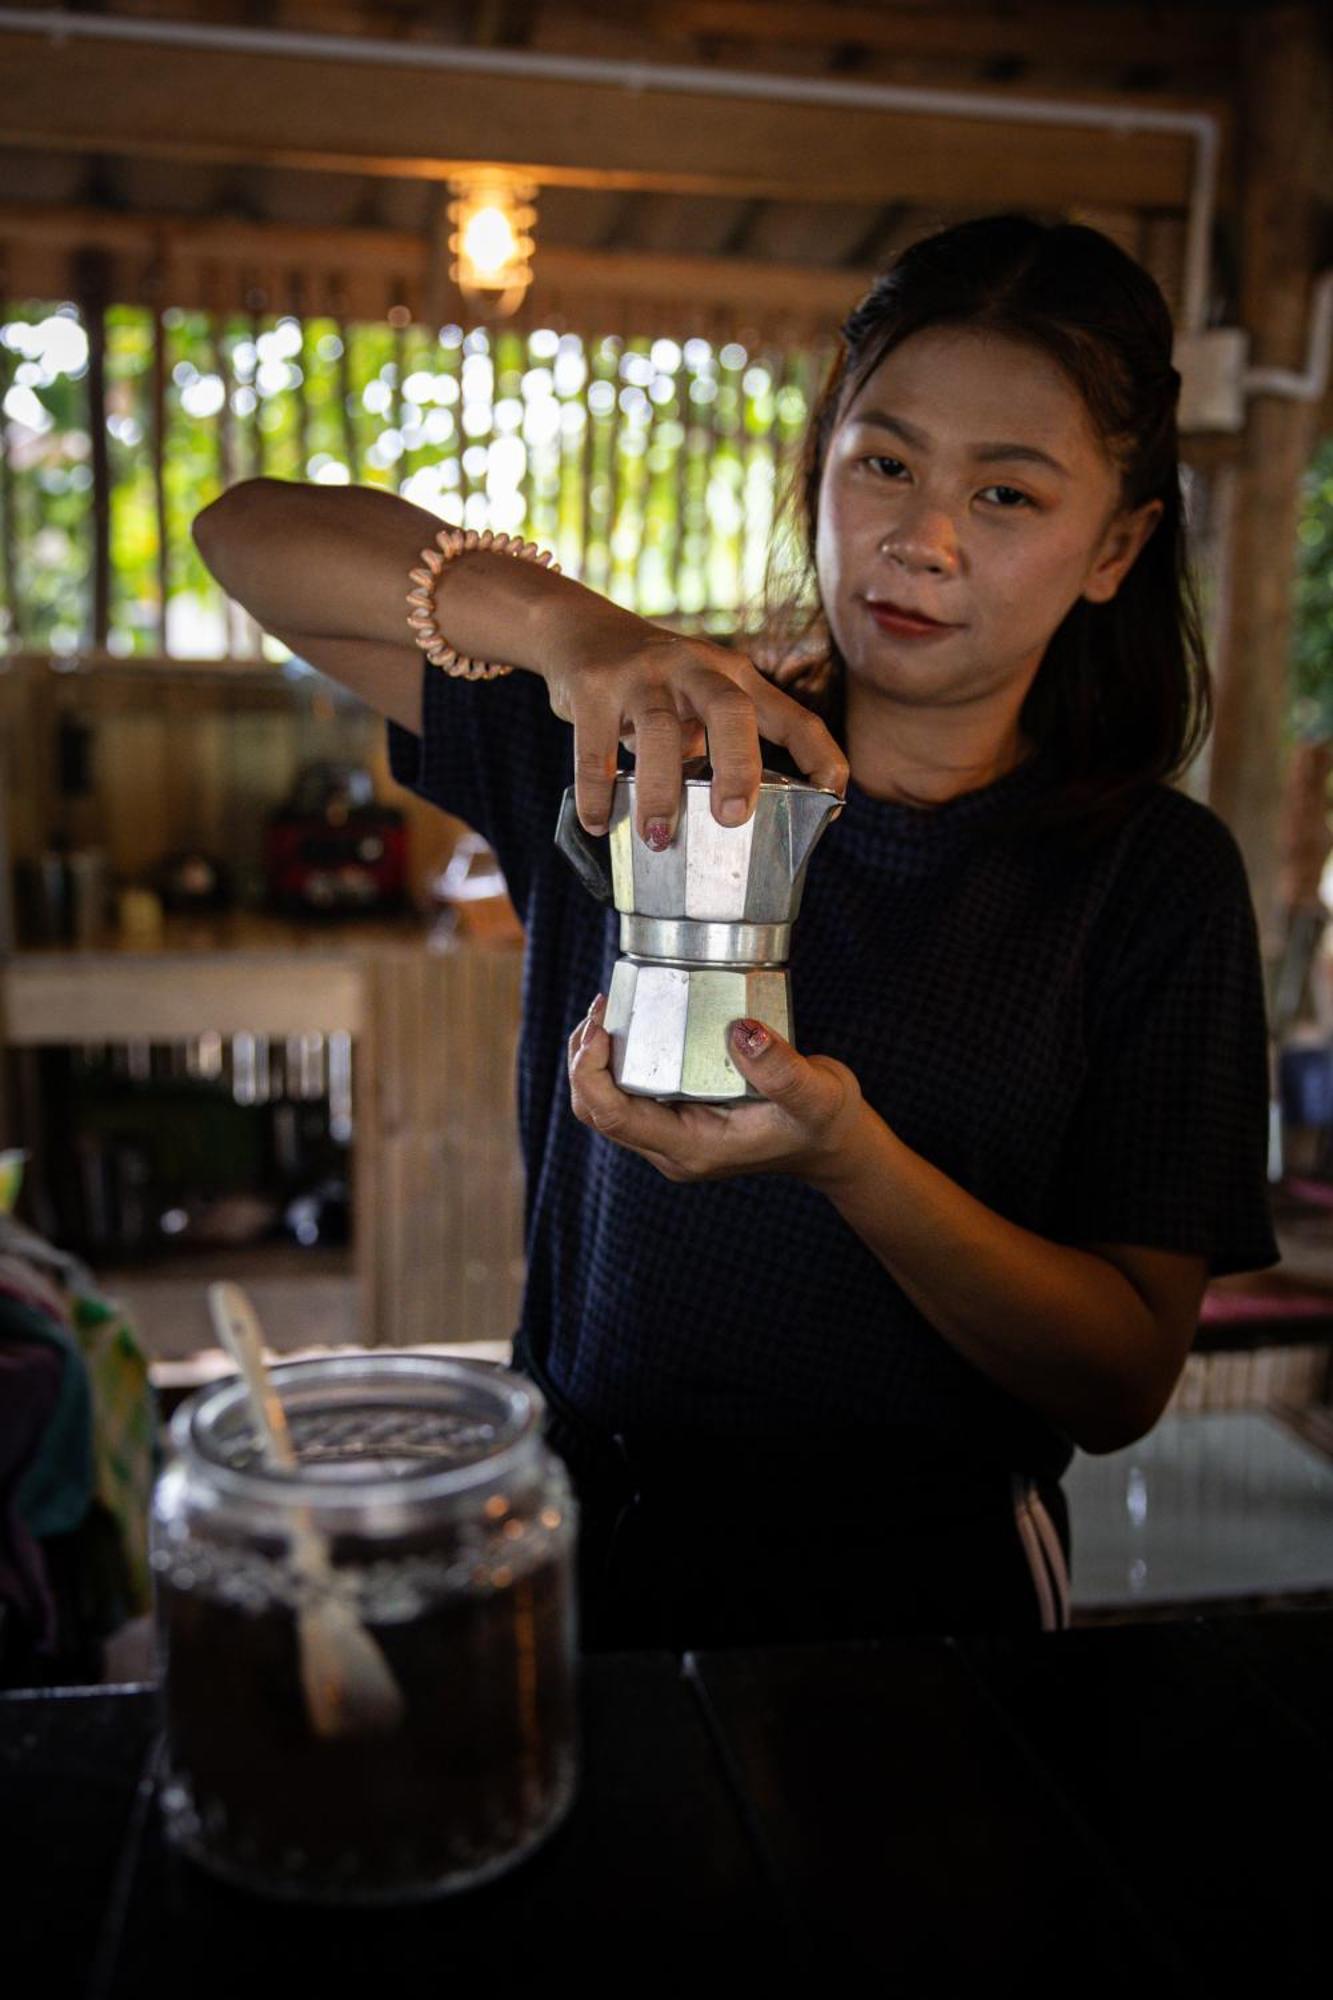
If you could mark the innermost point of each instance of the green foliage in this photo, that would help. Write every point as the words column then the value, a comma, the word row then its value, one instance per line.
column 1312, row 641
column 48, row 480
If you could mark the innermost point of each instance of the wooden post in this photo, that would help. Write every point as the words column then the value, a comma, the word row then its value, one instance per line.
column 682, row 481
column 1304, row 824
column 158, row 438
column 255, row 303
column 226, row 441
column 589, row 465
column 400, row 319
column 1286, row 73
column 346, row 384
column 10, row 595
column 299, row 312
column 91, row 285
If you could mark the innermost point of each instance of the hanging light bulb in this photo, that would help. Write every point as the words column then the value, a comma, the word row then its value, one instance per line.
column 492, row 218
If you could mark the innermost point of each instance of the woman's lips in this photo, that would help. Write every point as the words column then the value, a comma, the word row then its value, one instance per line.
column 906, row 624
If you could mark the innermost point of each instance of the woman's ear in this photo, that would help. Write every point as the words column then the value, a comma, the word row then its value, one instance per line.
column 1120, row 546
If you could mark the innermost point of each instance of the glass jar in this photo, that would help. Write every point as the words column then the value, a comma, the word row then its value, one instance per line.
column 446, row 1527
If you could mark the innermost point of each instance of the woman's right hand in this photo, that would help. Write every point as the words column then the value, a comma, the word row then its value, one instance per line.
column 669, row 697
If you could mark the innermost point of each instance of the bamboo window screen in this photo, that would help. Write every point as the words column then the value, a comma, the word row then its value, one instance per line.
column 652, row 466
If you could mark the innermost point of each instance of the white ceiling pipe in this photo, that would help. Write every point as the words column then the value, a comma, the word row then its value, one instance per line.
column 637, row 76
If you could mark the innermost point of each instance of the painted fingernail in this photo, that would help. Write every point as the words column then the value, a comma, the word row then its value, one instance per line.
column 658, row 834
column 750, row 1037
column 734, row 811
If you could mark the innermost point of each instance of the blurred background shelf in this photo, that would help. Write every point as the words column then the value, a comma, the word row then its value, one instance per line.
column 304, row 1296
column 426, row 1041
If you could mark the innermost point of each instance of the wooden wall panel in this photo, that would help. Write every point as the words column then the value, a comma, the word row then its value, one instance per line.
column 24, row 800
column 440, row 1157
column 131, row 788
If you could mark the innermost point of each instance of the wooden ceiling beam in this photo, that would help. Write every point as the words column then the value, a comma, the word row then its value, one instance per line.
column 40, row 238
column 741, row 232
column 502, row 24
column 883, row 235
column 326, row 113
column 1189, row 38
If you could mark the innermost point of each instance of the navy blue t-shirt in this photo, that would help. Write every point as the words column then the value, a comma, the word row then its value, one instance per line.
column 1080, row 1043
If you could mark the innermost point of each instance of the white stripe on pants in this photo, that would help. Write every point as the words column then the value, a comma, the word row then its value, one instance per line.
column 1040, row 1542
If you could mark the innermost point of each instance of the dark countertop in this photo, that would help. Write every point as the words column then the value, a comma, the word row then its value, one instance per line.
column 1117, row 1809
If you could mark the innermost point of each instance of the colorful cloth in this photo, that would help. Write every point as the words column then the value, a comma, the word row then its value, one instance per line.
column 31, row 1373
column 57, row 1483
column 101, row 1443
column 124, row 1429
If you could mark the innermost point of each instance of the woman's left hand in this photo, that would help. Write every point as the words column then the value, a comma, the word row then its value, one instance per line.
column 810, row 1117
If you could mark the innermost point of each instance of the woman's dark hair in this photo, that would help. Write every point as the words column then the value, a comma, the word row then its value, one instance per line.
column 1122, row 696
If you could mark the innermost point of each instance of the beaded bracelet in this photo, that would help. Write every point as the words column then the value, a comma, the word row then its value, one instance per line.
column 451, row 542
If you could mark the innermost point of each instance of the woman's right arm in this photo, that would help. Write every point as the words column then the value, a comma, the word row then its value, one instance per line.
column 325, row 569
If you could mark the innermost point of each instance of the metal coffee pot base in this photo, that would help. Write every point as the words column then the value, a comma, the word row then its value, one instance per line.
column 668, row 1026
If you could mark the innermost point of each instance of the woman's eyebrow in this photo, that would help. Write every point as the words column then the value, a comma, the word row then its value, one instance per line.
column 985, row 453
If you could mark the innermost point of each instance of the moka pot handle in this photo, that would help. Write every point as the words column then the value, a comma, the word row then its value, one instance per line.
column 587, row 854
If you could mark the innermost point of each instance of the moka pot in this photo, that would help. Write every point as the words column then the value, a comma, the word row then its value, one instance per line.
column 705, row 928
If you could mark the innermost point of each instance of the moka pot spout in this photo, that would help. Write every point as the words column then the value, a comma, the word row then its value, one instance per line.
column 811, row 812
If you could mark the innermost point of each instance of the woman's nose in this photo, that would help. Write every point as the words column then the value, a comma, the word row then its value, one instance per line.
column 923, row 538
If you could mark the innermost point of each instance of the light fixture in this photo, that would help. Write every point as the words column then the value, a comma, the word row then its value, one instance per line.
column 491, row 217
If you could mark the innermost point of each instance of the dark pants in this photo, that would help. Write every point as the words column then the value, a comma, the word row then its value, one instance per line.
column 700, row 1541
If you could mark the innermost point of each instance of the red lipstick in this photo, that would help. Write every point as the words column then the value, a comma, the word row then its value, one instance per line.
column 904, row 623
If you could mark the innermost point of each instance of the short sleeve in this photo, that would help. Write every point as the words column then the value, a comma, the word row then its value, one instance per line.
column 491, row 753
column 1169, row 1143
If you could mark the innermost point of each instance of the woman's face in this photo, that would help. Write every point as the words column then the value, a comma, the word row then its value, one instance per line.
column 965, row 482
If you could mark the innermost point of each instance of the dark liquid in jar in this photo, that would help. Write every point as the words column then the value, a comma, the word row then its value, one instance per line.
column 479, row 1769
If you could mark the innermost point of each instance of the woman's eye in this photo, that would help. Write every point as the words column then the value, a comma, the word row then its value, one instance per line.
column 1009, row 497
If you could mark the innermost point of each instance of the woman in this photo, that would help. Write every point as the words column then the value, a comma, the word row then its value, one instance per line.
column 818, row 1362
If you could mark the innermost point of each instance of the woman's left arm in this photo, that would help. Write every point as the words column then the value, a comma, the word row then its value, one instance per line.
column 1093, row 1338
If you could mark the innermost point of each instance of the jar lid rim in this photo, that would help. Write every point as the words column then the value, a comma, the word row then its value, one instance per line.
column 520, row 1407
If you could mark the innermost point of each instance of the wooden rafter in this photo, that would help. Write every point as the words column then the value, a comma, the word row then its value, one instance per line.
column 1189, row 38
column 207, row 258
column 90, row 271
column 327, row 113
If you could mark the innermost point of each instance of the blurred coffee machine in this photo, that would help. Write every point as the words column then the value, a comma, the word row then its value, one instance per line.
column 331, row 851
